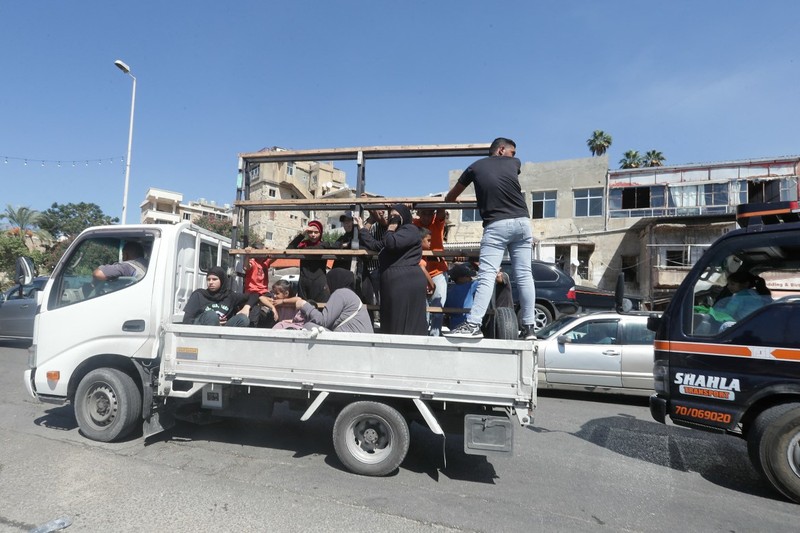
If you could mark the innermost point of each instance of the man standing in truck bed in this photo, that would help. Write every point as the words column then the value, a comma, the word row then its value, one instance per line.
column 506, row 226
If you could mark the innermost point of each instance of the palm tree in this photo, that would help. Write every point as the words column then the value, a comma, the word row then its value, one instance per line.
column 599, row 142
column 21, row 219
column 654, row 158
column 631, row 159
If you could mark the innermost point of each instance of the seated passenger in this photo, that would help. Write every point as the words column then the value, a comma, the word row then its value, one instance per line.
column 748, row 293
column 460, row 293
column 344, row 310
column 282, row 304
column 132, row 265
column 217, row 305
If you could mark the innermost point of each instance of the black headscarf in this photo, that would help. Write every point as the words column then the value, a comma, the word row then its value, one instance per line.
column 340, row 278
column 404, row 212
column 223, row 291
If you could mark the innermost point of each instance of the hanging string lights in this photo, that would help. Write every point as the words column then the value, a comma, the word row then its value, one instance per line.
column 10, row 160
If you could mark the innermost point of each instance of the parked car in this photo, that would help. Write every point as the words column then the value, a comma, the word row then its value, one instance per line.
column 597, row 352
column 18, row 309
column 555, row 291
column 557, row 294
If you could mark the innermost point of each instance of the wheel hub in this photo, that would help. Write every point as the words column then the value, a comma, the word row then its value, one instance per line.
column 793, row 454
column 102, row 406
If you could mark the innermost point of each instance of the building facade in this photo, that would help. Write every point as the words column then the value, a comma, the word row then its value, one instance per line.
column 650, row 224
column 167, row 207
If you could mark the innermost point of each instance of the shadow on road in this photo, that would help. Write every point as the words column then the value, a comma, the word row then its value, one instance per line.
column 285, row 431
column 61, row 418
column 720, row 459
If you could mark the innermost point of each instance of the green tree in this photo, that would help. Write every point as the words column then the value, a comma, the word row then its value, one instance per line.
column 654, row 158
column 631, row 159
column 66, row 221
column 599, row 142
column 223, row 226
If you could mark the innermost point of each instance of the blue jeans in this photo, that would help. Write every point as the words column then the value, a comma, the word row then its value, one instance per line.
column 514, row 235
column 437, row 299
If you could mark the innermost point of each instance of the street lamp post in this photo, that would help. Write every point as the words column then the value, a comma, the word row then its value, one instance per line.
column 127, row 70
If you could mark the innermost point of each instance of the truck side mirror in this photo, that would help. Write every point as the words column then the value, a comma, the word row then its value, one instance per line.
column 23, row 271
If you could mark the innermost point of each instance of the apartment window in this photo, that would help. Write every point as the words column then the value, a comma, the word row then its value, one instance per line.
column 187, row 216
column 630, row 266
column 304, row 221
column 788, row 189
column 290, row 169
column 676, row 258
column 640, row 197
column 271, row 193
column 544, row 204
column 268, row 236
column 470, row 215
column 589, row 202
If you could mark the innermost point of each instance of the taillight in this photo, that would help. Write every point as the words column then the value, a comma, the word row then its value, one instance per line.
column 661, row 376
column 571, row 294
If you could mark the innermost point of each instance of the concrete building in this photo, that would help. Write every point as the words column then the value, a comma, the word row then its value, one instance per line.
column 300, row 180
column 167, row 207
column 651, row 224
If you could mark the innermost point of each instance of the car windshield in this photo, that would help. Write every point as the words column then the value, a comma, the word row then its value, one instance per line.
column 550, row 329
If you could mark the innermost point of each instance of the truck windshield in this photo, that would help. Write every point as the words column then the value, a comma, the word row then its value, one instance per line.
column 741, row 280
column 122, row 261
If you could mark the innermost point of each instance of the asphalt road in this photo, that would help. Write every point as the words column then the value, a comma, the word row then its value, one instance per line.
column 591, row 463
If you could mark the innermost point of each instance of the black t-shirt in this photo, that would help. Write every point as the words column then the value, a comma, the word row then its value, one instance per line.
column 496, row 181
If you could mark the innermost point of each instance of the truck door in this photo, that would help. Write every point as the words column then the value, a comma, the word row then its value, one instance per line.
column 81, row 316
column 591, row 355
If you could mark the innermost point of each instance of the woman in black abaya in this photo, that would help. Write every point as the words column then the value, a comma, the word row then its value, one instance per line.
column 403, row 297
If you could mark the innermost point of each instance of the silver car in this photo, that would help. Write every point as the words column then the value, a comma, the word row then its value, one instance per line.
column 17, row 311
column 598, row 352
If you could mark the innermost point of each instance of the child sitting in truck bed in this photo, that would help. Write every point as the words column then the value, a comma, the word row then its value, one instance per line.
column 282, row 304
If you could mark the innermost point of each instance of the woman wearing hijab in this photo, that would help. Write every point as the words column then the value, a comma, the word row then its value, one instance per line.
column 313, row 285
column 343, row 311
column 403, row 298
column 217, row 305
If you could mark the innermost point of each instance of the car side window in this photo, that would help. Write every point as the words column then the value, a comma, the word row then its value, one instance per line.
column 594, row 332
column 637, row 333
column 543, row 273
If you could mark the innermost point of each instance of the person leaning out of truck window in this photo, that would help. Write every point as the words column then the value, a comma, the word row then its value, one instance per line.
column 132, row 265
column 344, row 310
column 217, row 305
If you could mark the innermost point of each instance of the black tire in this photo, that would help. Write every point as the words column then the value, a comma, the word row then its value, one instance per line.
column 505, row 324
column 542, row 317
column 370, row 438
column 108, row 404
column 773, row 444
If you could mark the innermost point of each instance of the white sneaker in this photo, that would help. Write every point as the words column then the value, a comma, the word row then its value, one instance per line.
column 472, row 331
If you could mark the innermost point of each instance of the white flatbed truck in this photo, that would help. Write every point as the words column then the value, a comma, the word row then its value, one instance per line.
column 118, row 352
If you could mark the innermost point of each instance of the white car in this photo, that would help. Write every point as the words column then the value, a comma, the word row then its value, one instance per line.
column 598, row 352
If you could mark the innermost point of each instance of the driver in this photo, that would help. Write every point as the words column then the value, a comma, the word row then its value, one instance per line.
column 132, row 265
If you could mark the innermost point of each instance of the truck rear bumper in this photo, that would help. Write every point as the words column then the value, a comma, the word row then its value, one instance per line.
column 658, row 408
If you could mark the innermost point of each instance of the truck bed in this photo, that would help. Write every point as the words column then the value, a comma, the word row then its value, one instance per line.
column 485, row 371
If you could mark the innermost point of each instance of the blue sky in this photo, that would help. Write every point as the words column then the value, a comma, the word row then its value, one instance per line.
column 699, row 81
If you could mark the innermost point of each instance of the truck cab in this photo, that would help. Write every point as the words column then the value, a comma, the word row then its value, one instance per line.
column 83, row 323
column 727, row 349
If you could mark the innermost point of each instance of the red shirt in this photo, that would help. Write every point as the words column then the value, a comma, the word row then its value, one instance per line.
column 435, row 266
column 256, row 279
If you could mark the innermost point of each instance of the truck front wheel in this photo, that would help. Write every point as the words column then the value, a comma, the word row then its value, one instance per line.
column 370, row 438
column 774, row 447
column 108, row 404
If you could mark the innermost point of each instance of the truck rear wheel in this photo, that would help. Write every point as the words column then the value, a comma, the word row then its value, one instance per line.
column 774, row 447
column 370, row 438
column 108, row 404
